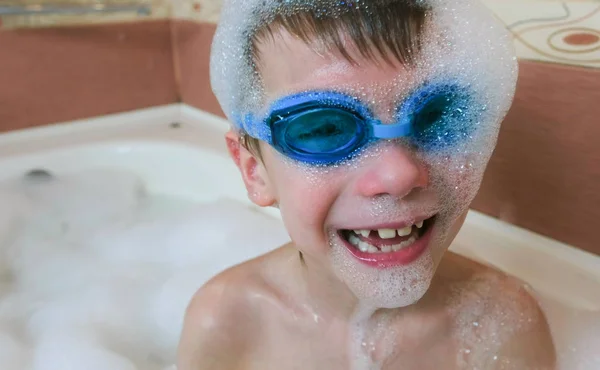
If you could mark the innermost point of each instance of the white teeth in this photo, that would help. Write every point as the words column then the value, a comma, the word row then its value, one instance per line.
column 363, row 246
column 420, row 224
column 404, row 244
column 364, row 233
column 405, row 232
column 354, row 240
column 368, row 248
column 387, row 233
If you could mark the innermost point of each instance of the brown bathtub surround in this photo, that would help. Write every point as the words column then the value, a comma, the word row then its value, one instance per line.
column 191, row 45
column 545, row 173
column 61, row 74
column 152, row 10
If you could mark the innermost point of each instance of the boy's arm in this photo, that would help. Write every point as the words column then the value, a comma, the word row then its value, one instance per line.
column 214, row 332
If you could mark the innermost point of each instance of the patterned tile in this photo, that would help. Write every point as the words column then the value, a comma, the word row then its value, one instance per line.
column 198, row 10
column 553, row 31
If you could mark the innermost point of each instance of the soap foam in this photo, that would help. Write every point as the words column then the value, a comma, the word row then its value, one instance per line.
column 97, row 274
column 13, row 353
column 488, row 65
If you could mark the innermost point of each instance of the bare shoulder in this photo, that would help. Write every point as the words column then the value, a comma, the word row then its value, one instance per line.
column 224, row 317
column 503, row 310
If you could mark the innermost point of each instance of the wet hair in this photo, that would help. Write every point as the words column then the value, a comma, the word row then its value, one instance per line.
column 384, row 30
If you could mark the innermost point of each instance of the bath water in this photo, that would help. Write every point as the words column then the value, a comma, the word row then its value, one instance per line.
column 96, row 274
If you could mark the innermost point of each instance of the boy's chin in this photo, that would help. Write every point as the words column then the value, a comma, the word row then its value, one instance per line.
column 389, row 300
column 393, row 287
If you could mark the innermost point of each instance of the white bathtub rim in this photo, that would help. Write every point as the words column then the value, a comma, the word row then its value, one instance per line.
column 170, row 112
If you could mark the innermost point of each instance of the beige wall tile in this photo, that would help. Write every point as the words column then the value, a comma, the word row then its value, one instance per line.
column 198, row 10
column 551, row 31
column 160, row 9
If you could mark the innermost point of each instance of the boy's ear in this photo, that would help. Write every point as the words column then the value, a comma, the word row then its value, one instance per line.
column 252, row 170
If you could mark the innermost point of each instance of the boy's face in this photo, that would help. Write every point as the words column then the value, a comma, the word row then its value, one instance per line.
column 389, row 186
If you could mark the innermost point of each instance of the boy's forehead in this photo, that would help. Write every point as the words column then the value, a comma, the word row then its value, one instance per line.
column 288, row 65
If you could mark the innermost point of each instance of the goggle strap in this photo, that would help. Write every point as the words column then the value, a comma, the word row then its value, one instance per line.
column 391, row 131
column 256, row 128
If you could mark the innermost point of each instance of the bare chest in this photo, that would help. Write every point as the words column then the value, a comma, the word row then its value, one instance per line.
column 423, row 344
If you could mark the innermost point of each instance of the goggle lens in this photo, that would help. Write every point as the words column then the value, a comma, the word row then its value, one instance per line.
column 442, row 119
column 435, row 117
column 324, row 135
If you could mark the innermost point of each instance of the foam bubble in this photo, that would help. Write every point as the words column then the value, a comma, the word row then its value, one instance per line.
column 110, row 290
column 13, row 353
column 60, row 351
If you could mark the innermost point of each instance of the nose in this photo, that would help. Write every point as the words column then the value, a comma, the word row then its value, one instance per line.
column 396, row 172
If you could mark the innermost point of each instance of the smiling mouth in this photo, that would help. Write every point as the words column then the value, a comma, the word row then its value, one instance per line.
column 387, row 247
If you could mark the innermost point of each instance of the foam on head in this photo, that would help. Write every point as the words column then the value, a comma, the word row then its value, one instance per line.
column 449, row 50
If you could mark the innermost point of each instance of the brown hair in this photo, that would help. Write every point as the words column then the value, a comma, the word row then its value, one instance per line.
column 385, row 30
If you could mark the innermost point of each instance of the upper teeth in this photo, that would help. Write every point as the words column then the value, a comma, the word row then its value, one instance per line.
column 368, row 248
column 390, row 233
column 387, row 233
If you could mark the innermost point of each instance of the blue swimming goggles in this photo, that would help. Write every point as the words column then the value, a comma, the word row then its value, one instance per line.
column 324, row 128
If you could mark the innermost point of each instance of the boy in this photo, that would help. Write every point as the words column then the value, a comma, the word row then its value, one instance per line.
column 369, row 125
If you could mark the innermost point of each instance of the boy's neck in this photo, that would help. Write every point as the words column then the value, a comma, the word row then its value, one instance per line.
column 325, row 290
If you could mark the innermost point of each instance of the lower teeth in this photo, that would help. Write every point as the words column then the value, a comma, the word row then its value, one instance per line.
column 368, row 248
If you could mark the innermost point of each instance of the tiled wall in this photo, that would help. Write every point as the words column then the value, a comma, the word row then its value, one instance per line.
column 553, row 31
column 59, row 74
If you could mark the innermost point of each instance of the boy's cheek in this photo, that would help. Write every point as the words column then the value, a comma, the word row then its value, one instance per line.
column 310, row 205
column 305, row 208
column 456, row 174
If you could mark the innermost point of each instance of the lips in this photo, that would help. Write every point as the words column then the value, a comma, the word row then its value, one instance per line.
column 390, row 246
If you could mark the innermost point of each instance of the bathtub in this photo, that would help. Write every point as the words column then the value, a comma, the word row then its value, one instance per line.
column 179, row 151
